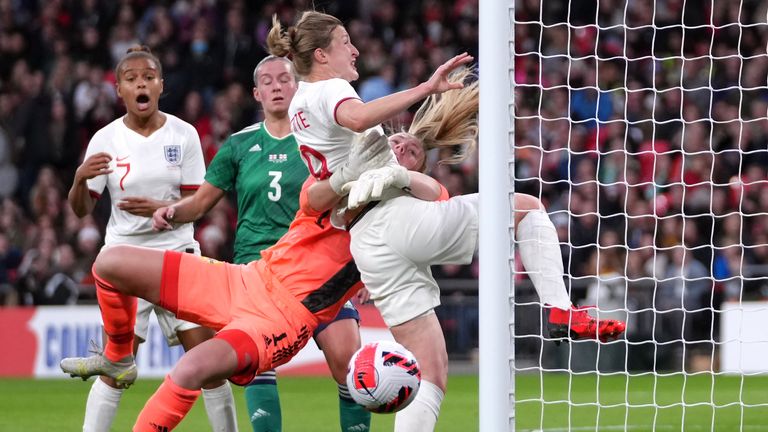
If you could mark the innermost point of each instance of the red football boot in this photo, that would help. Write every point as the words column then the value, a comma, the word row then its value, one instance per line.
column 578, row 324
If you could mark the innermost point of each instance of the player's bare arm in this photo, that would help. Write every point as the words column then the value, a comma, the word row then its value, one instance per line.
column 358, row 116
column 188, row 209
column 79, row 196
column 146, row 207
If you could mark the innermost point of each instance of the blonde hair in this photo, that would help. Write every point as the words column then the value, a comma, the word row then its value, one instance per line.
column 266, row 60
column 299, row 42
column 449, row 119
column 138, row 51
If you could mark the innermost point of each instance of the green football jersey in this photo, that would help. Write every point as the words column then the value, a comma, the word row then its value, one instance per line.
column 266, row 174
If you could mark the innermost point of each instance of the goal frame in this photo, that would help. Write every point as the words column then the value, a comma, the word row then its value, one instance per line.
column 496, row 166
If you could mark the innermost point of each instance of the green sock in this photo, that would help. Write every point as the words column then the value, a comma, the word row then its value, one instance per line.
column 352, row 417
column 264, row 404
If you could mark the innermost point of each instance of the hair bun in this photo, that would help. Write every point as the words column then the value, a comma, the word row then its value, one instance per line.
column 138, row 48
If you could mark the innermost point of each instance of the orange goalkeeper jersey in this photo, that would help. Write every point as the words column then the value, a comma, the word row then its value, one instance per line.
column 312, row 261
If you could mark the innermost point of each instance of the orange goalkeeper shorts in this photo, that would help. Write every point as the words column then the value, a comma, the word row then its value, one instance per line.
column 240, row 297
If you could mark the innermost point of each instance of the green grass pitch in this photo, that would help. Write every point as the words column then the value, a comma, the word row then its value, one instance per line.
column 309, row 404
column 655, row 402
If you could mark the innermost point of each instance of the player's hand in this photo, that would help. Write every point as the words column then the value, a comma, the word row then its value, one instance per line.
column 363, row 296
column 370, row 152
column 95, row 165
column 371, row 184
column 139, row 206
column 439, row 83
column 162, row 218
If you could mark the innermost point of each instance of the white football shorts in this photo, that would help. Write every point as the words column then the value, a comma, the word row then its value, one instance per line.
column 169, row 324
column 397, row 240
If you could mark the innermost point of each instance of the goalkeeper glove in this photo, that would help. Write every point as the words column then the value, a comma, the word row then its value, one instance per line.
column 370, row 152
column 370, row 185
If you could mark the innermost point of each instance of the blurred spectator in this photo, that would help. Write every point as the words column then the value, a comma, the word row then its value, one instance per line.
column 10, row 258
column 36, row 268
column 94, row 98
column 687, row 295
column 195, row 114
column 61, row 288
column 87, row 245
column 215, row 234
column 201, row 60
column 240, row 50
column 608, row 291
column 378, row 85
column 8, row 172
column 45, row 197
column 92, row 48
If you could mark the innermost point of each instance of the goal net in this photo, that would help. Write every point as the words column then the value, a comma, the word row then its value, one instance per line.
column 643, row 128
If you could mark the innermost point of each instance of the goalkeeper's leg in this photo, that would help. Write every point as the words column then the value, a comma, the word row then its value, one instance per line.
column 210, row 361
column 217, row 395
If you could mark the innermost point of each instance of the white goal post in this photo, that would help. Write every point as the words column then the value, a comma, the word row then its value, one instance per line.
column 642, row 125
column 496, row 396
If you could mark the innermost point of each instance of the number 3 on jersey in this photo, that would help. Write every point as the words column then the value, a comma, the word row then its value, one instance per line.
column 277, row 192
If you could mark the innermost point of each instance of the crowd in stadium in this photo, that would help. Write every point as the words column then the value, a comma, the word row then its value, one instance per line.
column 618, row 146
column 648, row 151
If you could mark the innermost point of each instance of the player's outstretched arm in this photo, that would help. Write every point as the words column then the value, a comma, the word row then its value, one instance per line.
column 188, row 209
column 358, row 116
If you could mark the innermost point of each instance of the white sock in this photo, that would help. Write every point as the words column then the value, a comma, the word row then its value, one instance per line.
column 220, row 406
column 101, row 407
column 540, row 251
column 421, row 415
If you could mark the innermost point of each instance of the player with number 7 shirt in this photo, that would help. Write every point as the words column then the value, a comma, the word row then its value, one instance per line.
column 146, row 159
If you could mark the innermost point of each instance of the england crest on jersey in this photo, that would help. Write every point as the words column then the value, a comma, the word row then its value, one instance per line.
column 173, row 153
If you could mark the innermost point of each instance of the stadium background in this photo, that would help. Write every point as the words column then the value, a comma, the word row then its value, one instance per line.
column 57, row 89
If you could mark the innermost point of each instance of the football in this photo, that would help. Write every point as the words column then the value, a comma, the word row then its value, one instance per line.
column 383, row 377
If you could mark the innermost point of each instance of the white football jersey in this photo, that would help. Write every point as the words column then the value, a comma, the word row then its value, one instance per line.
column 159, row 166
column 323, row 143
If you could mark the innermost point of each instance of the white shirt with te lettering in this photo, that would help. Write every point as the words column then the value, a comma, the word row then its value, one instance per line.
column 323, row 142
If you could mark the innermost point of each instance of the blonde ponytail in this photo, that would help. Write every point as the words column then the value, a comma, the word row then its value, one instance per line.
column 450, row 119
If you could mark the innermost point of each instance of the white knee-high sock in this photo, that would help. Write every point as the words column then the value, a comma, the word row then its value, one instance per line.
column 540, row 251
column 220, row 407
column 101, row 407
column 421, row 415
